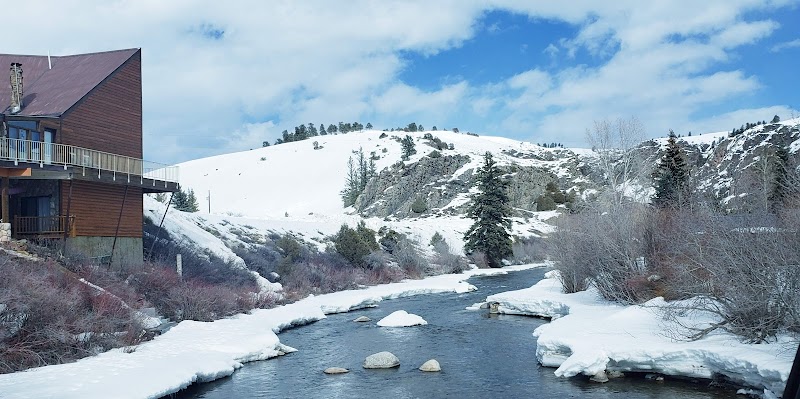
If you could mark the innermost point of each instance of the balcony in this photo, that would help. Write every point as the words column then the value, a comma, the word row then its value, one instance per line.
column 43, row 226
column 84, row 159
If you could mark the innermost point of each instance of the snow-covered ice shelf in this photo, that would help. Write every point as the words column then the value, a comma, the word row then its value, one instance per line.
column 588, row 335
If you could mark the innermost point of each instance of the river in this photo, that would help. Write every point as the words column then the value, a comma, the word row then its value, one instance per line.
column 482, row 356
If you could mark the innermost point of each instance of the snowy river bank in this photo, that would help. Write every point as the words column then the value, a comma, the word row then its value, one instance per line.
column 586, row 336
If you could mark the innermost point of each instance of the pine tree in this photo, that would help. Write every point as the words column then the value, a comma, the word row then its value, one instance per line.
column 185, row 200
column 780, row 184
column 776, row 119
column 322, row 131
column 408, row 147
column 191, row 202
column 492, row 215
column 369, row 126
column 358, row 174
column 671, row 177
column 332, row 129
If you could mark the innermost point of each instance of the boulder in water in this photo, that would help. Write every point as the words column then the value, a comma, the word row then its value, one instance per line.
column 381, row 360
column 600, row 376
column 362, row 319
column 430, row 366
column 336, row 370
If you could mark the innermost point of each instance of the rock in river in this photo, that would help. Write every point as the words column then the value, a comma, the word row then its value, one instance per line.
column 336, row 370
column 431, row 365
column 381, row 360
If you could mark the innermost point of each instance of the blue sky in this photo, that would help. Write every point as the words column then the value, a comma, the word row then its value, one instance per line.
column 221, row 77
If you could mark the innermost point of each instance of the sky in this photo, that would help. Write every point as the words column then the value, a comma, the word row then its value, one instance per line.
column 224, row 76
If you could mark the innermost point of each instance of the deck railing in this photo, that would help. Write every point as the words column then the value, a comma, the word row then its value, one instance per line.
column 18, row 150
column 43, row 226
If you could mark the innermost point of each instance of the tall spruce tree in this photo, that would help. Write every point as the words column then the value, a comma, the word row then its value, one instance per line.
column 671, row 177
column 492, row 215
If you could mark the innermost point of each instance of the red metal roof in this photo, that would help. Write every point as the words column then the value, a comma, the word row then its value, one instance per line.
column 51, row 92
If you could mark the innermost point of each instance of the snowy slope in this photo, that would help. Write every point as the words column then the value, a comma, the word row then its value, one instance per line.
column 295, row 179
column 294, row 188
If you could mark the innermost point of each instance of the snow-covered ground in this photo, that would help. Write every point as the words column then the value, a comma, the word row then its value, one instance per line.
column 589, row 335
column 196, row 352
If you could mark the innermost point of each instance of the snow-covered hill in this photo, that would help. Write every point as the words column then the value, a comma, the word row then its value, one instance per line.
column 295, row 187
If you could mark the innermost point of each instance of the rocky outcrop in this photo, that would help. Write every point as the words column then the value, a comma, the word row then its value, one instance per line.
column 394, row 190
column 442, row 184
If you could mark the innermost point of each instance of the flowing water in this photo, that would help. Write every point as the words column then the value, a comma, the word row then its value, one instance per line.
column 482, row 356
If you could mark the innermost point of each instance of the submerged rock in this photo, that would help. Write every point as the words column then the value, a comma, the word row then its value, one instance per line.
column 336, row 370
column 362, row 319
column 615, row 374
column 381, row 360
column 430, row 366
column 600, row 377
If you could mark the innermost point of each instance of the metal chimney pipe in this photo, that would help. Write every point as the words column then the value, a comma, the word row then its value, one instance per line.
column 16, row 87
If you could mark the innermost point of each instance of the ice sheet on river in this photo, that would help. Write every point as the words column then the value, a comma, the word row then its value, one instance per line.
column 588, row 335
column 196, row 351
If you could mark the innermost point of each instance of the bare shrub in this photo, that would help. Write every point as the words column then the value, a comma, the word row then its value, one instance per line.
column 48, row 317
column 202, row 302
column 608, row 249
column 748, row 276
column 409, row 259
column 479, row 259
column 445, row 261
column 529, row 250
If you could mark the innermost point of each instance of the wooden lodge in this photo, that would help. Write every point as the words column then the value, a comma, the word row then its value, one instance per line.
column 70, row 153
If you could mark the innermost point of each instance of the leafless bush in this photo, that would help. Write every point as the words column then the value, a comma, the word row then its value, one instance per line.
column 202, row 302
column 529, row 250
column 749, row 276
column 48, row 317
column 609, row 249
column 409, row 259
column 445, row 261
column 479, row 259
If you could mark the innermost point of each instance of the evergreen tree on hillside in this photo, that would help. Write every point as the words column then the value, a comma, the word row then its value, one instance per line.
column 332, row 129
column 369, row 126
column 359, row 171
column 776, row 119
column 185, row 200
column 408, row 147
column 780, row 183
column 322, row 131
column 671, row 177
column 492, row 215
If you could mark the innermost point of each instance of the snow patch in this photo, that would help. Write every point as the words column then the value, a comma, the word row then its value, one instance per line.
column 401, row 318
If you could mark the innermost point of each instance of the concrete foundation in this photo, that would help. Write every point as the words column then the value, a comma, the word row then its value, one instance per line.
column 127, row 253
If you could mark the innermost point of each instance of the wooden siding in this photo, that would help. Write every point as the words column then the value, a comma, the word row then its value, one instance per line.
column 96, row 208
column 109, row 118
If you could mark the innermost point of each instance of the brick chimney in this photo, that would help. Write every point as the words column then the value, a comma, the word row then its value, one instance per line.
column 16, row 87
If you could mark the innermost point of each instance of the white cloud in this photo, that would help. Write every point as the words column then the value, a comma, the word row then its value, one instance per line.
column 209, row 66
column 785, row 45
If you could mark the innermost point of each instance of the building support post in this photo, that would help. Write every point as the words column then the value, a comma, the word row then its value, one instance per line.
column 68, row 228
column 119, row 221
column 150, row 253
column 5, row 212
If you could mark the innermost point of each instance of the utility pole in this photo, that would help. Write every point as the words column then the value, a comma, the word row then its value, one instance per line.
column 209, row 201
